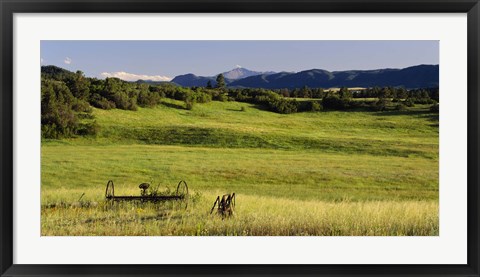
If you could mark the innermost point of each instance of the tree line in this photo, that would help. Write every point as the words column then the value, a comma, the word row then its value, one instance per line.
column 417, row 95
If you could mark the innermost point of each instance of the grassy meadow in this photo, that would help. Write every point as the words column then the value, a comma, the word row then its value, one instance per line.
column 336, row 173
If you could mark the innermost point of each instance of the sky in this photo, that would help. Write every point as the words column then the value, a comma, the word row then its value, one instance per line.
column 163, row 60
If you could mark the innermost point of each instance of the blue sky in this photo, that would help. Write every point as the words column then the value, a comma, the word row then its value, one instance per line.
column 162, row 60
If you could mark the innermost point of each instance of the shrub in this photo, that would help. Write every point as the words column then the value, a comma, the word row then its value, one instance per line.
column 435, row 108
column 102, row 102
column 400, row 107
column 334, row 102
column 88, row 128
column 81, row 106
column 315, row 106
column 409, row 102
column 283, row 106
column 148, row 99
column 380, row 105
column 58, row 116
column 201, row 97
column 220, row 97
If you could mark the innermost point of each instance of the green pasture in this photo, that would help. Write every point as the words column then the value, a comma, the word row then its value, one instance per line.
column 311, row 173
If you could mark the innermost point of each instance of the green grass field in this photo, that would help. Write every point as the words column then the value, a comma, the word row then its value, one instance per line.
column 322, row 173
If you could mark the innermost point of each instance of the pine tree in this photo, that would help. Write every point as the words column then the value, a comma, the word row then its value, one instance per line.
column 220, row 81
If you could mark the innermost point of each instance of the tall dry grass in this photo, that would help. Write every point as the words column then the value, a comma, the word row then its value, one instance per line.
column 254, row 216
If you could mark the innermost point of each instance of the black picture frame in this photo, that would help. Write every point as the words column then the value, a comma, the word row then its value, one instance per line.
column 9, row 7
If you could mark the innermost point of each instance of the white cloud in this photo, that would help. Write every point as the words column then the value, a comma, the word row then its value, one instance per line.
column 134, row 77
column 238, row 66
column 42, row 60
column 67, row 60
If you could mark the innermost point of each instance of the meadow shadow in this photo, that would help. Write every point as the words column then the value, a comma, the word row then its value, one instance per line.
column 173, row 105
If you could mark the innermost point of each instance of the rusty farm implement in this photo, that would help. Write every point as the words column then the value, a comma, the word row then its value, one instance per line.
column 225, row 205
column 147, row 195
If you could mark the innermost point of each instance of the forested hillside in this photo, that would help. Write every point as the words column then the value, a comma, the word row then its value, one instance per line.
column 68, row 98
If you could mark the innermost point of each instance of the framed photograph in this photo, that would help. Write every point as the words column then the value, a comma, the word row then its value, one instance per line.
column 239, row 138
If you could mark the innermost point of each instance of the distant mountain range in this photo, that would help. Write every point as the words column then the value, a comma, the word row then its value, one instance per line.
column 192, row 80
column 411, row 77
column 419, row 76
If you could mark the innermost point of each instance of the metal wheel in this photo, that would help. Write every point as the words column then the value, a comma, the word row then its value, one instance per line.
column 182, row 189
column 110, row 190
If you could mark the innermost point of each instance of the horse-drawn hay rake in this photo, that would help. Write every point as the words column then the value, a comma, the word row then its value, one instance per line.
column 181, row 194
